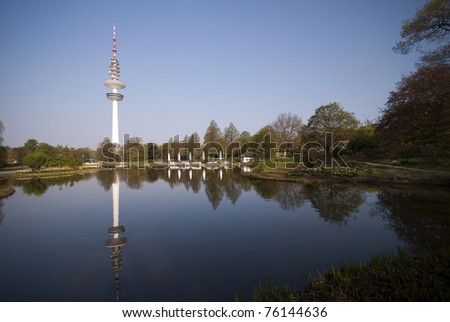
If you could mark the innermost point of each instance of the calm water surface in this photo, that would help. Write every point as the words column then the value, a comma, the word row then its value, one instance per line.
column 198, row 236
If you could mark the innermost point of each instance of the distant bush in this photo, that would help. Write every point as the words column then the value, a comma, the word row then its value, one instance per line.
column 35, row 160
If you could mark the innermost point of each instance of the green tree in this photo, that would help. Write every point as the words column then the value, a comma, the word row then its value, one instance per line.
column 31, row 145
column 35, row 160
column 16, row 154
column 268, row 139
column 134, row 150
column 230, row 133
column 331, row 118
column 245, row 137
column 3, row 155
column 99, row 153
column 213, row 143
column 83, row 154
column 194, row 146
column 430, row 25
column 70, row 160
column 47, row 149
column 364, row 141
column 213, row 133
column 153, row 152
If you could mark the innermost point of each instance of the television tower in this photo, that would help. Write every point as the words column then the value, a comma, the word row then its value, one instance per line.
column 114, row 84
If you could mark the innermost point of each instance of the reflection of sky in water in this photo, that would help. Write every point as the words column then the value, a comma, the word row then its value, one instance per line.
column 179, row 247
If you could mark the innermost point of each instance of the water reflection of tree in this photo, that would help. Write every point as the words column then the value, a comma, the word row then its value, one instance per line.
column 421, row 217
column 335, row 202
column 39, row 186
column 4, row 183
column 2, row 214
column 153, row 175
column 232, row 187
column 196, row 182
column 133, row 177
column 213, row 188
column 35, row 187
column 230, row 184
column 105, row 178
column 266, row 189
column 290, row 195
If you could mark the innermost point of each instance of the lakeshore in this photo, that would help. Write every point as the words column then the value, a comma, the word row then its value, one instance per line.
column 6, row 191
column 359, row 173
column 387, row 278
column 6, row 188
column 421, row 276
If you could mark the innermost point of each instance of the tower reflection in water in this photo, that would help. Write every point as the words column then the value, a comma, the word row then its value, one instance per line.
column 116, row 242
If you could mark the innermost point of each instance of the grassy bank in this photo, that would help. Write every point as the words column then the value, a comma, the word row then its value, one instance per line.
column 401, row 277
column 356, row 173
column 6, row 190
column 51, row 173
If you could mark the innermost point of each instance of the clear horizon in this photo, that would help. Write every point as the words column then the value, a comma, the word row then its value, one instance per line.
column 186, row 63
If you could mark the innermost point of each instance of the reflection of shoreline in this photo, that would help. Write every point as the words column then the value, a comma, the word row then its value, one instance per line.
column 219, row 183
column 36, row 185
column 116, row 242
column 2, row 214
column 421, row 217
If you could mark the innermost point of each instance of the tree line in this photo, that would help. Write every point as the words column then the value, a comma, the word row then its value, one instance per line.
column 40, row 154
column 282, row 137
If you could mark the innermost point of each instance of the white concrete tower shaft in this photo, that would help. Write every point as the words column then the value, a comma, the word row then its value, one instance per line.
column 114, row 84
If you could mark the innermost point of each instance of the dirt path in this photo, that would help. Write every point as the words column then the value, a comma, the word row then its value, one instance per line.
column 9, row 172
column 402, row 168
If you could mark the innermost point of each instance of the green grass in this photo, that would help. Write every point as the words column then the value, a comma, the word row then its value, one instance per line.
column 418, row 163
column 355, row 173
column 51, row 173
column 402, row 277
column 6, row 190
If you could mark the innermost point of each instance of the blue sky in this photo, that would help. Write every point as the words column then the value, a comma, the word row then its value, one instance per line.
column 186, row 62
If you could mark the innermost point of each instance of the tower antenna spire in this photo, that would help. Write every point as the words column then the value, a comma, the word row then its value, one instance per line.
column 114, row 43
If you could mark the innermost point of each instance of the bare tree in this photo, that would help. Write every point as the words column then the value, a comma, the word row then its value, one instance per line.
column 2, row 128
column 288, row 126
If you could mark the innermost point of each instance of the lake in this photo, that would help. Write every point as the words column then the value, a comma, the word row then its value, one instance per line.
column 199, row 235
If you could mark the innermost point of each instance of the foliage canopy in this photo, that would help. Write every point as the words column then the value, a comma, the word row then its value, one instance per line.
column 430, row 25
